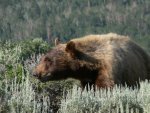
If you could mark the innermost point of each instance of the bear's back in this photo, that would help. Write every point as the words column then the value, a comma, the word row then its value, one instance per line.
column 101, row 38
column 101, row 45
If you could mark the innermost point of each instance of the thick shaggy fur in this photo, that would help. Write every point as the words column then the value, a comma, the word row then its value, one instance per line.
column 101, row 60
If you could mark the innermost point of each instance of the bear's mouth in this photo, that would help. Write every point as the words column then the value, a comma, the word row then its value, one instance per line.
column 46, row 77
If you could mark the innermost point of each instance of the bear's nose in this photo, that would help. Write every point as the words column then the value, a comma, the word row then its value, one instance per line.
column 34, row 74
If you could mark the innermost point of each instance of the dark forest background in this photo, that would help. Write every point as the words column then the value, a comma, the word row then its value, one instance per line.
column 65, row 19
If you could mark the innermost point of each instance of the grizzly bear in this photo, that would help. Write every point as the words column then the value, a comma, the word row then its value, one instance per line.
column 98, row 60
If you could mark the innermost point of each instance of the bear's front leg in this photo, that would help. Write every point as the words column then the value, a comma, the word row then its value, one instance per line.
column 103, row 80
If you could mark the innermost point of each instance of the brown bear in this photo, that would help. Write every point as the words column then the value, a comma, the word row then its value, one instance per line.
column 101, row 60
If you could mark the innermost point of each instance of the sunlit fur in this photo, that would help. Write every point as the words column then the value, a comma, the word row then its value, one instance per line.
column 101, row 60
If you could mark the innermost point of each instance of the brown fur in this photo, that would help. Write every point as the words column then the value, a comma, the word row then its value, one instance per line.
column 101, row 60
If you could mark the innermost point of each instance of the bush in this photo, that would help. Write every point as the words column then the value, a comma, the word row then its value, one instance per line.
column 35, row 46
column 116, row 100
column 13, row 55
column 21, row 98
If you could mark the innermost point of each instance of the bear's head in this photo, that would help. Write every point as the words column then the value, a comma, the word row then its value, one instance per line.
column 55, row 65
column 61, row 62
column 51, row 64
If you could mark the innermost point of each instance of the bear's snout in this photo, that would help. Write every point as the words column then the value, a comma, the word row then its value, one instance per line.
column 35, row 74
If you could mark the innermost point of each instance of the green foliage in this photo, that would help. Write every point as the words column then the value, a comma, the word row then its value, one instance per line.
column 13, row 55
column 34, row 46
column 14, row 70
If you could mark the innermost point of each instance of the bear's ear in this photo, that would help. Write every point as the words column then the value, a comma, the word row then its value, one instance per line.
column 71, row 49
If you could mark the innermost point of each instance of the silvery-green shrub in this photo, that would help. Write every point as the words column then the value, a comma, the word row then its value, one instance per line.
column 116, row 100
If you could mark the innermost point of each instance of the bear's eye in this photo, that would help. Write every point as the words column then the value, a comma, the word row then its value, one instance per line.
column 47, row 59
